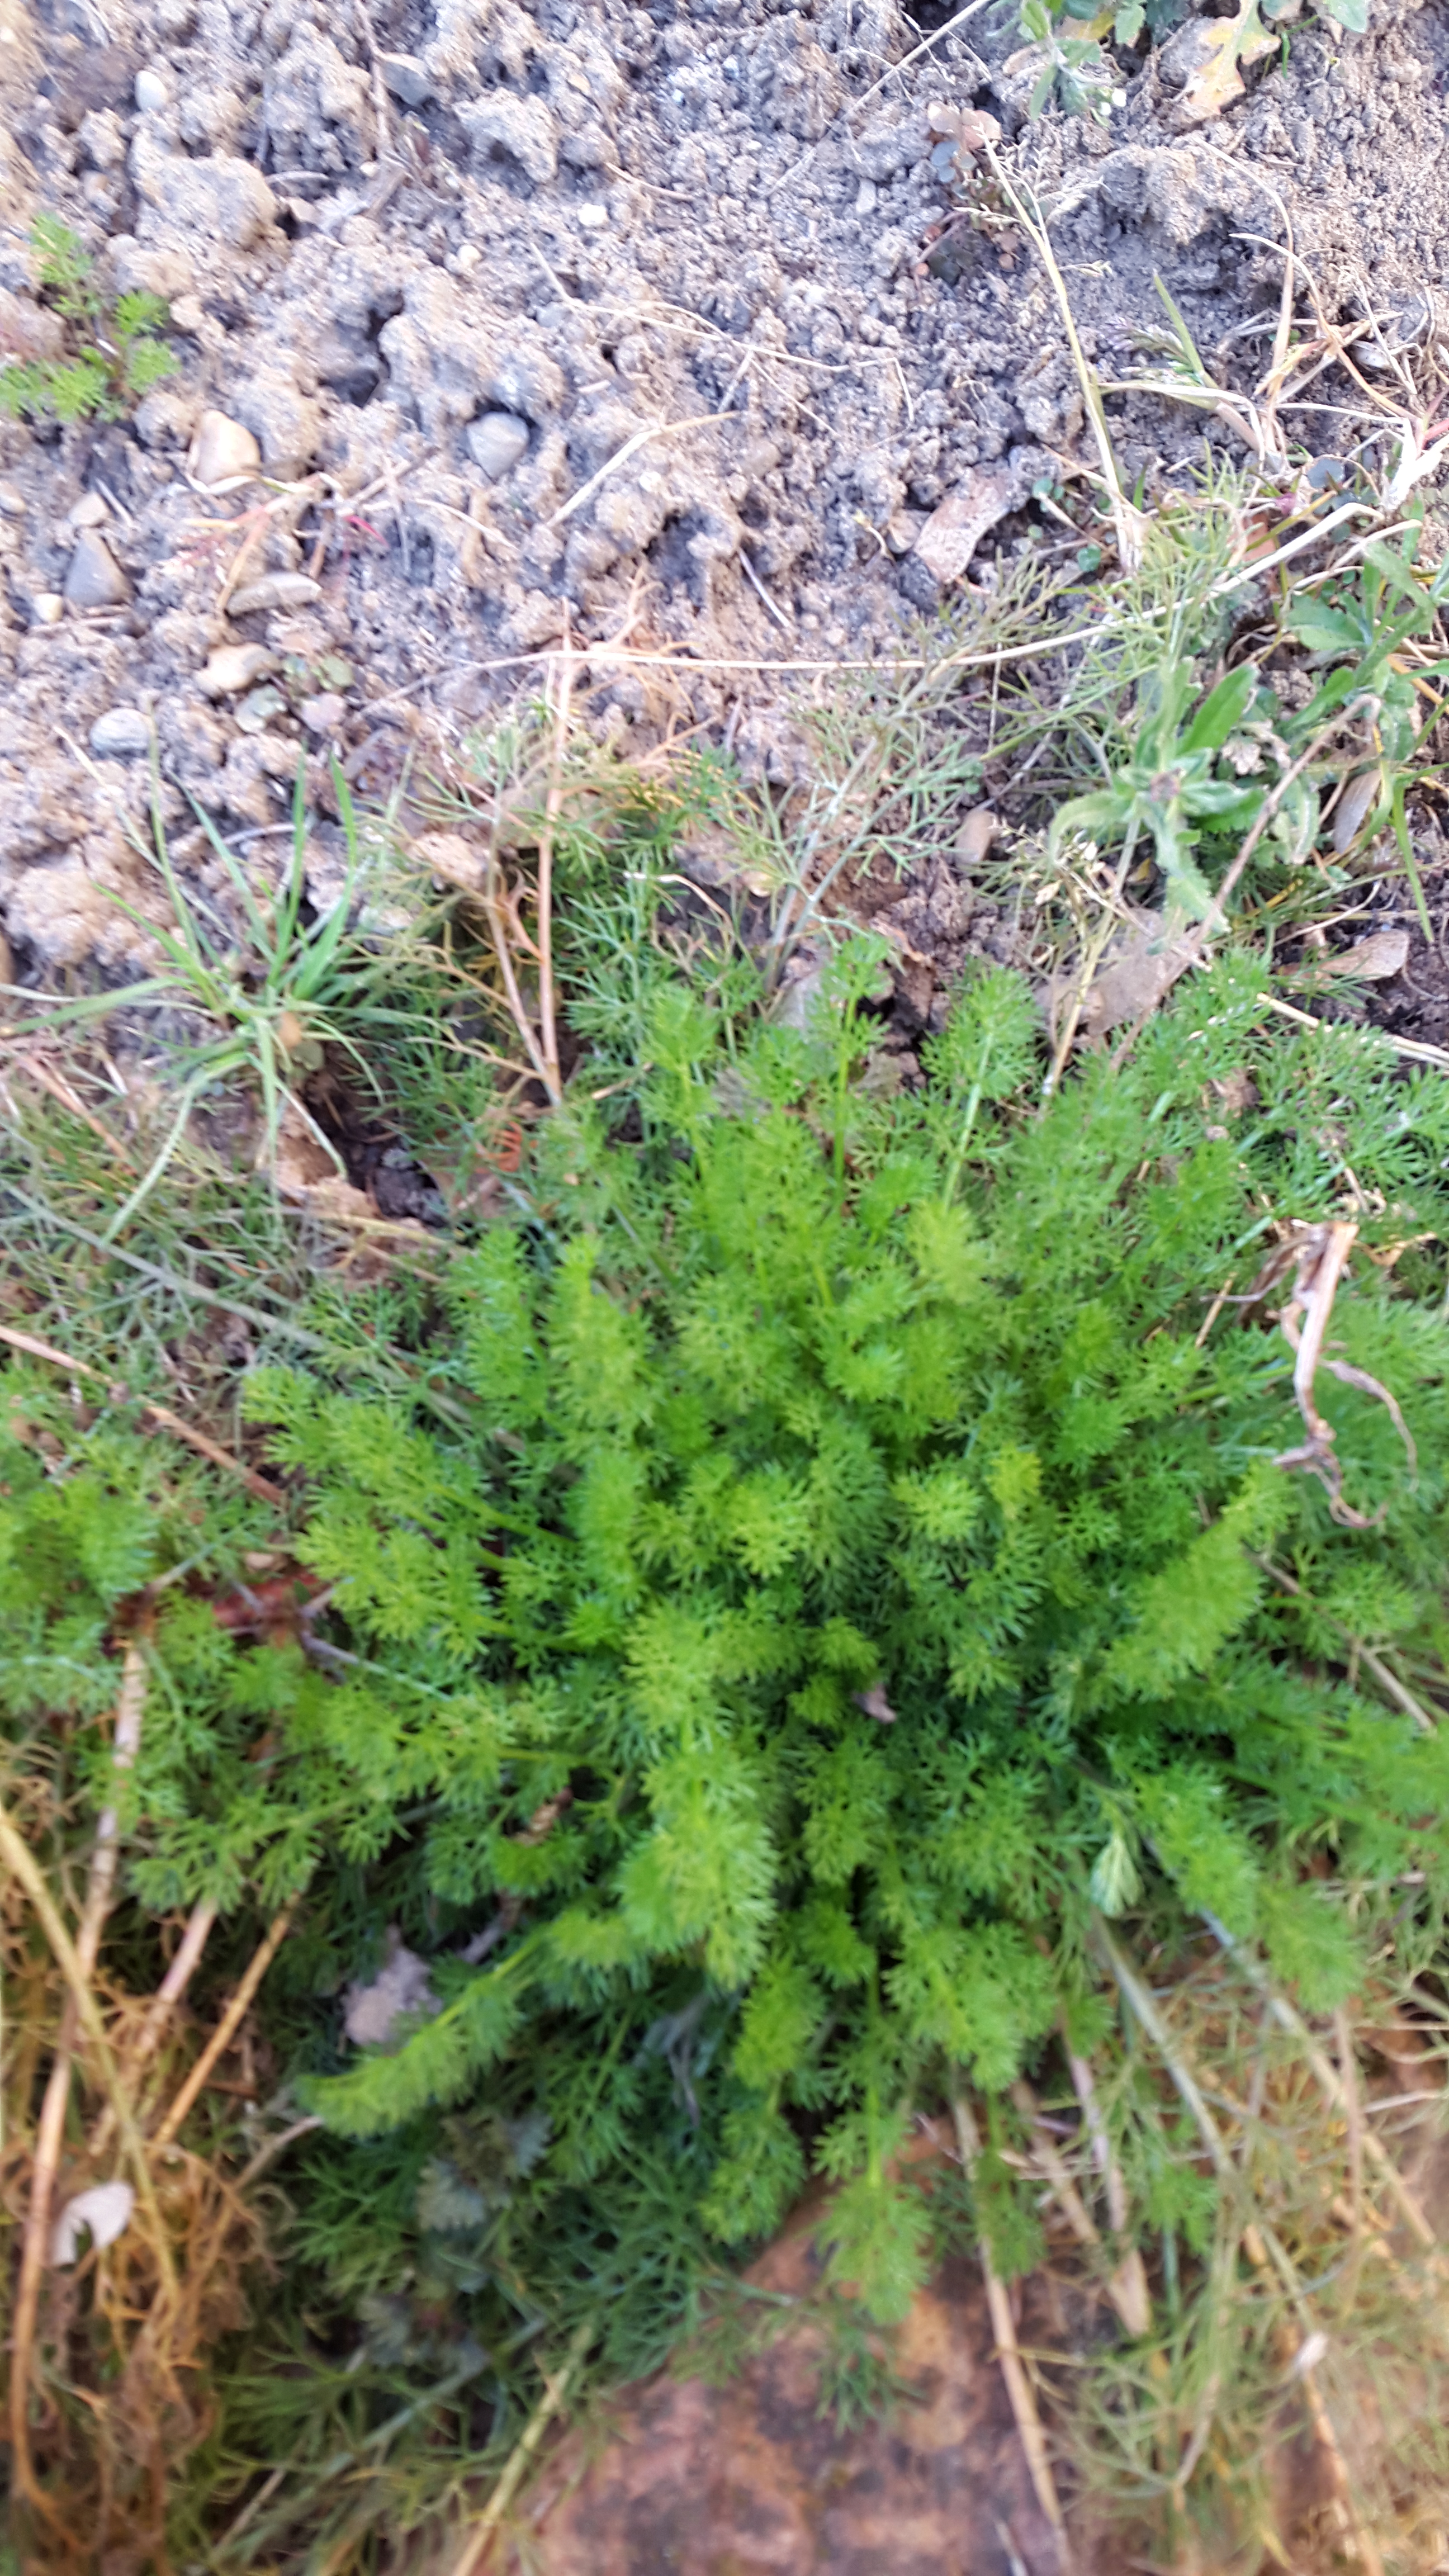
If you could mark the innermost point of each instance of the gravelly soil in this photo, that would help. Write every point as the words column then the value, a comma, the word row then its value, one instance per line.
column 448, row 264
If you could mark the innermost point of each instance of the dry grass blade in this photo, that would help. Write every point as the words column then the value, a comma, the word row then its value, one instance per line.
column 1127, row 519
column 1263, row 2246
column 16, row 1855
column 1327, row 2077
column 1323, row 1252
column 158, row 2012
column 1136, row 1996
column 475, row 2547
column 548, row 1031
column 1126, row 2286
column 161, row 1414
column 1008, row 2353
column 226, row 2029
column 130, row 1708
column 1387, row 1680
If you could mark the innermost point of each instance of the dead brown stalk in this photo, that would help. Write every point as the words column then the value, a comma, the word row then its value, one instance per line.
column 130, row 1708
column 158, row 2012
column 226, row 2029
column 1008, row 2353
column 1126, row 2285
column 161, row 1414
column 556, row 2388
column 1323, row 1252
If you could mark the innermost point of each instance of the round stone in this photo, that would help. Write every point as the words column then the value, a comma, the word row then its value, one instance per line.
column 151, row 92
column 274, row 590
column 496, row 442
column 93, row 577
column 222, row 452
column 234, row 667
column 121, row 733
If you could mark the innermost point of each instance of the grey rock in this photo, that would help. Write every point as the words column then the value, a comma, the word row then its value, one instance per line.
column 220, row 198
column 93, row 578
column 408, row 78
column 496, row 442
column 891, row 143
column 522, row 128
column 323, row 715
column 222, row 452
column 400, row 1992
column 120, row 733
column 274, row 590
column 234, row 667
column 103, row 139
column 167, row 273
column 286, row 420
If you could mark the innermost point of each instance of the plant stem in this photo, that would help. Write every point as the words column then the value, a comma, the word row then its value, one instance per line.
column 1008, row 2353
column 226, row 2028
column 16, row 1855
column 50, row 2130
column 556, row 2389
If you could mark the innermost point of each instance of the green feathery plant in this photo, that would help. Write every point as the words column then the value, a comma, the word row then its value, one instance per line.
column 855, row 1572
column 114, row 352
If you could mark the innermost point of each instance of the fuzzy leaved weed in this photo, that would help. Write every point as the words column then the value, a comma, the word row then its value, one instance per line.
column 859, row 1570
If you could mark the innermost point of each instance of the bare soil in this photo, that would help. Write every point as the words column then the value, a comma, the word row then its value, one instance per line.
column 673, row 259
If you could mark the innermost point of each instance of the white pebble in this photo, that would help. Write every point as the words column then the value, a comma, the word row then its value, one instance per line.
column 594, row 218
column 47, row 608
column 151, row 92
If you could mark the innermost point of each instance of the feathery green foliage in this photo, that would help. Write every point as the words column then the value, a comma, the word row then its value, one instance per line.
column 854, row 1572
column 115, row 352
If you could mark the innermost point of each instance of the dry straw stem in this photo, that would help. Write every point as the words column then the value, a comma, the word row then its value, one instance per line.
column 16, row 1855
column 1136, row 1996
column 1329, row 2081
column 1388, row 1681
column 556, row 2388
column 226, row 2029
column 1126, row 2286
column 50, row 2129
column 1323, row 1251
column 548, row 1031
column 159, row 2010
column 1410, row 1048
column 1008, row 2353
column 1127, row 519
column 161, row 1414
column 59, row 1089
column 1264, row 2248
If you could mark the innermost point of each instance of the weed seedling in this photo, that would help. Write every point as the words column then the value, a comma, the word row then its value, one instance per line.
column 114, row 353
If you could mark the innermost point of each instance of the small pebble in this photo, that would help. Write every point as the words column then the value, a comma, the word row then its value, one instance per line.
column 222, row 452
column 593, row 217
column 151, row 92
column 464, row 259
column 865, row 197
column 234, row 667
column 90, row 512
column 274, row 590
column 496, row 442
column 93, row 577
column 120, row 732
column 12, row 502
column 47, row 608
column 407, row 77
column 323, row 715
